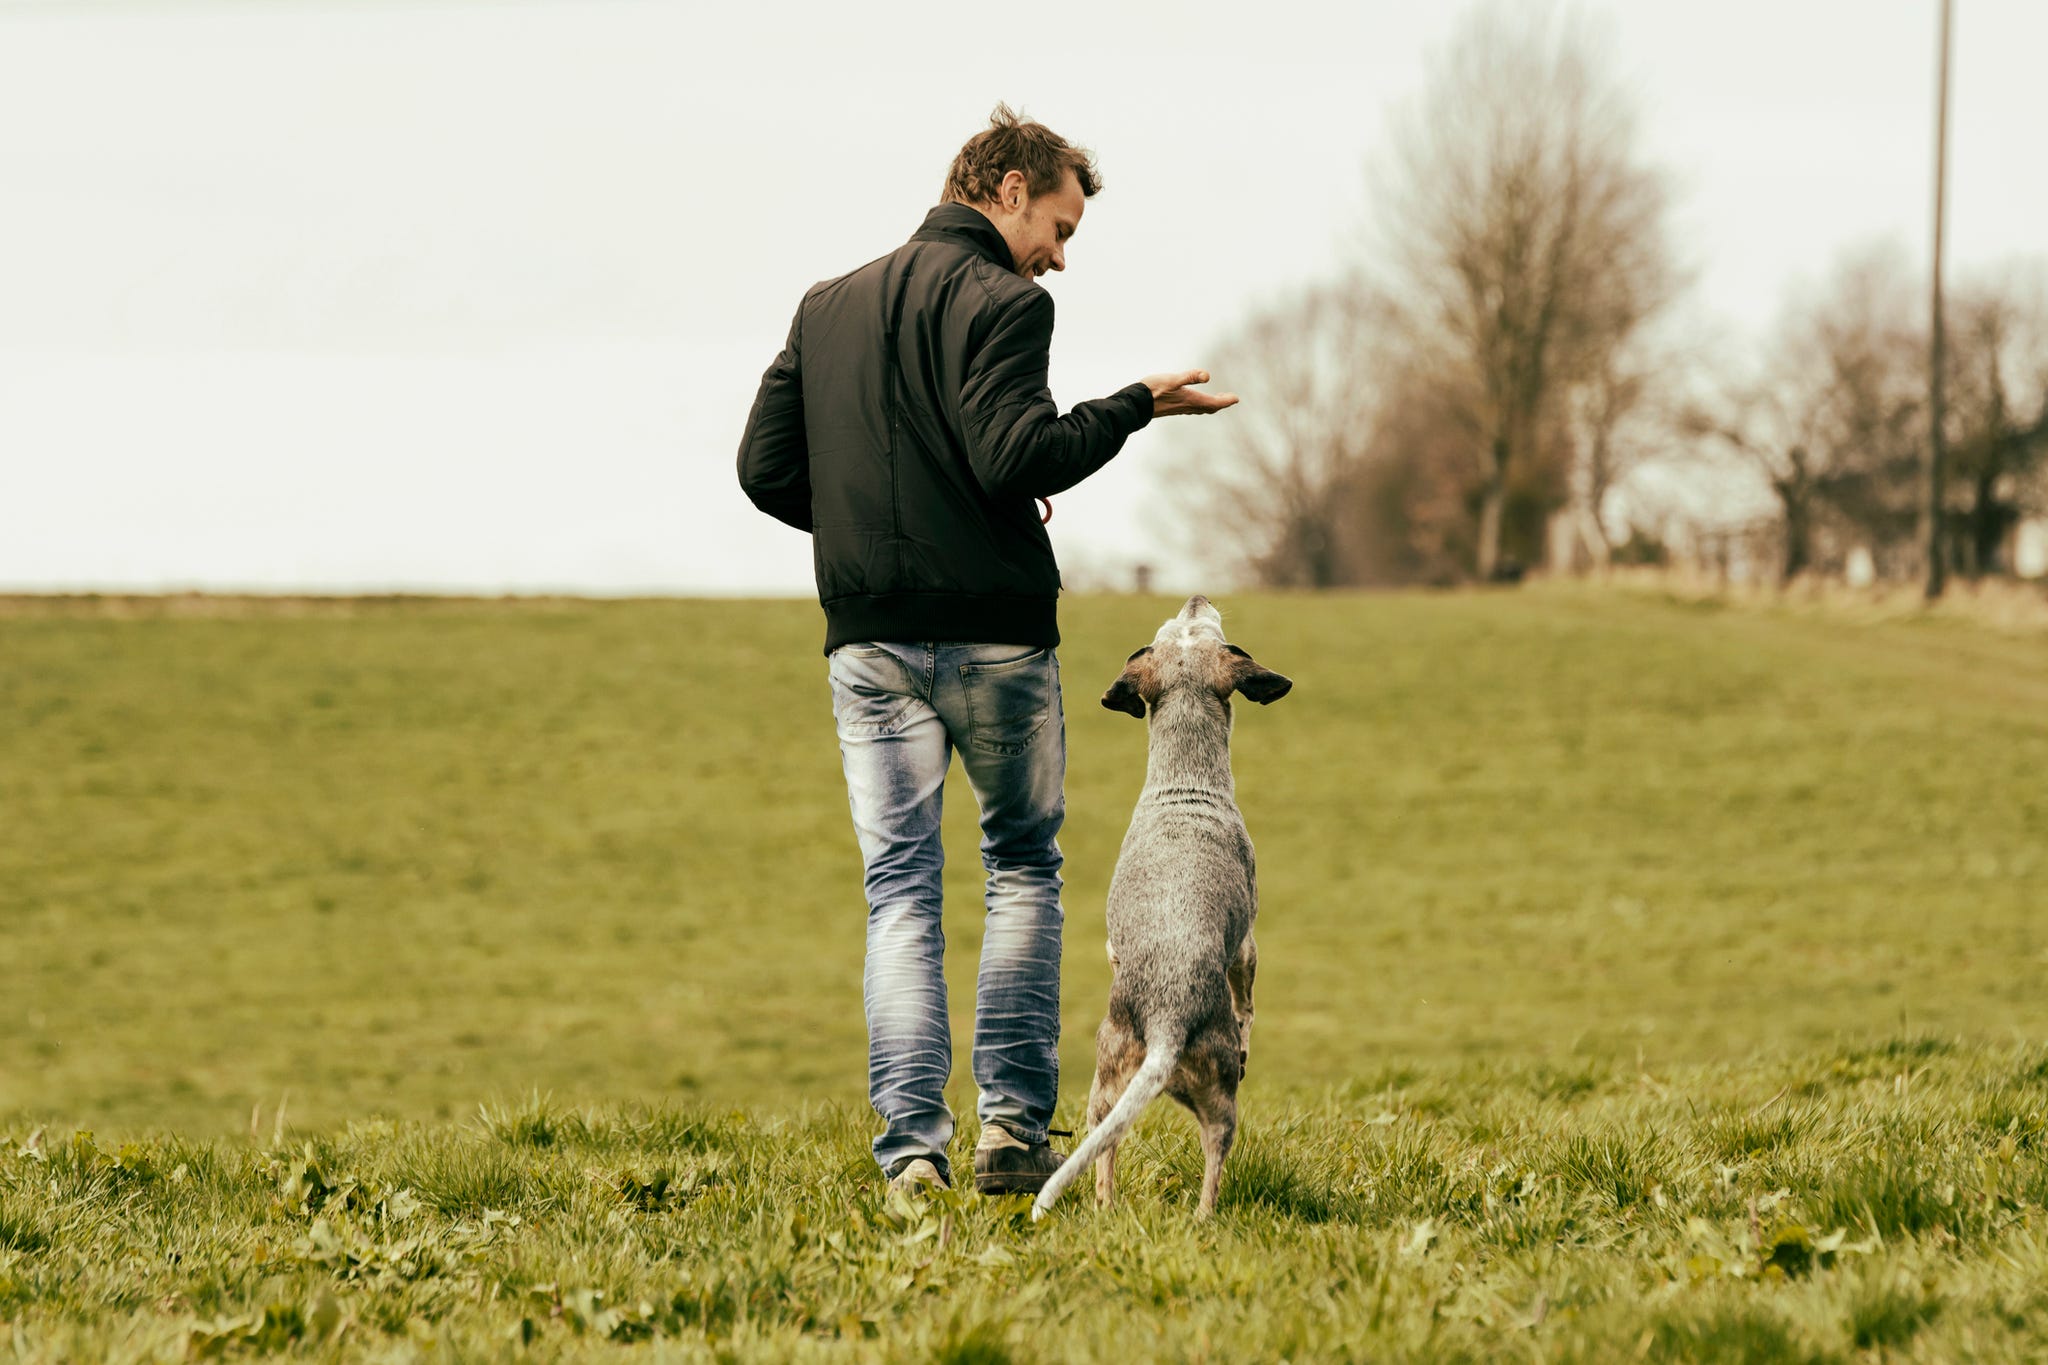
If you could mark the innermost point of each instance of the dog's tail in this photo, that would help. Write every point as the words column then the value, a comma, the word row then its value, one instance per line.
column 1145, row 1086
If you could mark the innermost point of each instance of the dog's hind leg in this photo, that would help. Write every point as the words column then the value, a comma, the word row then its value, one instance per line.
column 1239, row 975
column 1117, row 1056
column 1215, row 1109
column 1101, row 1099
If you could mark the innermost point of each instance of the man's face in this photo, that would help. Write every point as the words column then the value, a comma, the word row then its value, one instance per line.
column 1037, row 226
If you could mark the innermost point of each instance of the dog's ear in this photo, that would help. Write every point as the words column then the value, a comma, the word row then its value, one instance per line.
column 1258, row 683
column 1124, row 694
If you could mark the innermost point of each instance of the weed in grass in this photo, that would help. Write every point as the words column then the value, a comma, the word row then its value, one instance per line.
column 1403, row 1176
column 1746, row 1135
column 1788, row 1251
column 82, row 1167
column 1618, row 1169
column 468, row 1178
column 536, row 1122
column 1895, row 1191
column 665, row 1130
column 2011, row 1114
column 1263, row 1175
column 658, row 1188
column 22, row 1228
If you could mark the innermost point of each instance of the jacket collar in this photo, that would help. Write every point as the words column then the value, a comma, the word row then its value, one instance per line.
column 969, row 227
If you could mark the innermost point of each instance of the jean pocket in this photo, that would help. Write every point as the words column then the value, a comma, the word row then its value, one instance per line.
column 1008, row 703
column 871, row 690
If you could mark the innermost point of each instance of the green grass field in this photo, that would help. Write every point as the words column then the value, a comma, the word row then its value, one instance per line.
column 1610, row 946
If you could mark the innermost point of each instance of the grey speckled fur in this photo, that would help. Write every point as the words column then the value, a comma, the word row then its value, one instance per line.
column 1181, row 906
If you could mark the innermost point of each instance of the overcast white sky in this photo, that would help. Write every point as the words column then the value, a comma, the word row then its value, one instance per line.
column 474, row 295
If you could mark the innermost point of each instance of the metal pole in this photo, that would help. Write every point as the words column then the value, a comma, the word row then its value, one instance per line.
column 1937, row 452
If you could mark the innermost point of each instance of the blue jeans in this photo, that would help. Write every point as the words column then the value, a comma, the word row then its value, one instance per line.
column 901, row 710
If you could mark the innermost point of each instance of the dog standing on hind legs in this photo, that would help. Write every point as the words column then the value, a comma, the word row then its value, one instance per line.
column 1181, row 906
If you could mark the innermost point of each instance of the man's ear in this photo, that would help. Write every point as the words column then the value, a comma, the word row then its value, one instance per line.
column 1123, row 694
column 1017, row 190
column 1261, row 685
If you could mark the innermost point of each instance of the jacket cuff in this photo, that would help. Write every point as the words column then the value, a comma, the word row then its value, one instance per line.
column 1141, row 401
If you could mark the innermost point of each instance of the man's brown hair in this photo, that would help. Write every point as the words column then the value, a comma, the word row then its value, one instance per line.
column 1012, row 143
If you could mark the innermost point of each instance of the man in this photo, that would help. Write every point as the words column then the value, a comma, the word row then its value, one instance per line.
column 907, row 427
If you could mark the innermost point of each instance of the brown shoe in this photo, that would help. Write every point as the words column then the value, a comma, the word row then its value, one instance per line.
column 1006, row 1164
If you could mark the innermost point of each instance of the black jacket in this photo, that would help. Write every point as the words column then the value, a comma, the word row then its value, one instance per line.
column 907, row 426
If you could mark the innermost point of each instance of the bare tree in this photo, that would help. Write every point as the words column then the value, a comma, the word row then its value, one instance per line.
column 1996, row 418
column 1829, row 422
column 1415, row 496
column 1526, row 240
column 1272, row 491
column 1873, row 408
column 1767, row 425
column 1621, row 418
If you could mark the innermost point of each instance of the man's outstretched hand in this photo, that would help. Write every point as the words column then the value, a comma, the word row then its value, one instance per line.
column 1172, row 396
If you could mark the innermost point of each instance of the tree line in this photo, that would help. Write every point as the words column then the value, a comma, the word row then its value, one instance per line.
column 1510, row 348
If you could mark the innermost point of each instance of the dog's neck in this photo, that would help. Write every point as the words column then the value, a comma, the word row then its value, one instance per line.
column 1189, row 748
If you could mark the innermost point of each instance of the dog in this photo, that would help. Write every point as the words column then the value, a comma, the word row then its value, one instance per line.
column 1181, row 905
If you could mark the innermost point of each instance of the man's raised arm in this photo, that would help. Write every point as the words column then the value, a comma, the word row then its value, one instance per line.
column 1017, row 442
column 1016, row 439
